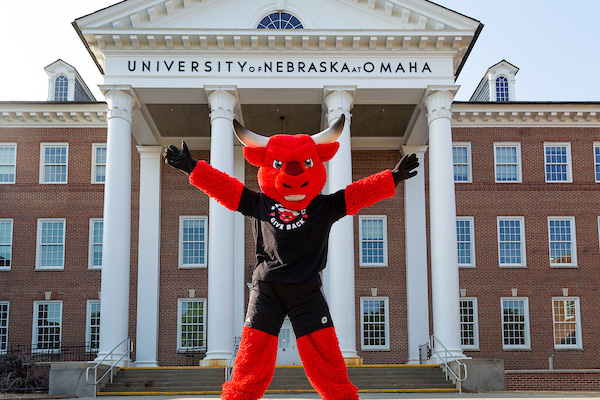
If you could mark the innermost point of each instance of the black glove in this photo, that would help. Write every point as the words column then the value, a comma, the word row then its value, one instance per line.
column 404, row 168
column 180, row 159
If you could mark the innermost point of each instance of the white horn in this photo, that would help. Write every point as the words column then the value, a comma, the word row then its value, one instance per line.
column 332, row 133
column 247, row 137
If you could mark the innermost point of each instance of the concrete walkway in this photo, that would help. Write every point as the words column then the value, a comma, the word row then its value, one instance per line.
column 388, row 396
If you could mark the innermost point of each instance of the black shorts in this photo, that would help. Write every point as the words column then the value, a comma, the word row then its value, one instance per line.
column 304, row 303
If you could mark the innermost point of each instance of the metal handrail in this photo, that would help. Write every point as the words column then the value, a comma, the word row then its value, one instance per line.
column 112, row 364
column 229, row 368
column 445, row 360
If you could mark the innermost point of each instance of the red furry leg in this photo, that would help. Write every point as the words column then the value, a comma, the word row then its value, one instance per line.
column 324, row 365
column 254, row 366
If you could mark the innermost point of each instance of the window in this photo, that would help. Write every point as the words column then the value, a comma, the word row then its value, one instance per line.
column 557, row 160
column 6, row 234
column 515, row 323
column 53, row 162
column 465, row 240
column 61, row 88
column 4, row 305
column 191, row 325
column 50, row 244
column 280, row 20
column 501, row 88
column 374, row 325
column 98, row 162
column 47, row 326
column 92, row 330
column 461, row 158
column 95, row 250
column 192, row 241
column 373, row 240
column 8, row 162
column 597, row 161
column 561, row 237
column 567, row 329
column 507, row 160
column 469, row 325
column 511, row 241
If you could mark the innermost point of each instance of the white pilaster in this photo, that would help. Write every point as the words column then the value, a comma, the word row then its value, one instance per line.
column 148, row 257
column 220, row 313
column 114, row 309
column 442, row 209
column 417, row 299
column 341, row 240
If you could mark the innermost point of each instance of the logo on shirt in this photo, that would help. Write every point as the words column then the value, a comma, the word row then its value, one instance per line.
column 286, row 220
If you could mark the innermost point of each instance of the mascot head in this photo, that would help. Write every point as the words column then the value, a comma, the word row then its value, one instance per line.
column 291, row 166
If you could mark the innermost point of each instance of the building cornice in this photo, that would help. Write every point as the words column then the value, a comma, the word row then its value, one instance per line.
column 526, row 114
column 53, row 115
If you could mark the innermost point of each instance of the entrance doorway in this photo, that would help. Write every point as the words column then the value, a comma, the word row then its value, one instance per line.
column 287, row 352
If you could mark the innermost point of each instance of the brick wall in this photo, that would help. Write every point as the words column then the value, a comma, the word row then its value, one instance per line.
column 552, row 380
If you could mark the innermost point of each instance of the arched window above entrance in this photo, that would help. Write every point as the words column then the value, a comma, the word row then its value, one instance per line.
column 280, row 20
column 61, row 88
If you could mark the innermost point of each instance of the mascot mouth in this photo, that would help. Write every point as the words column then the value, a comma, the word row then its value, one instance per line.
column 296, row 197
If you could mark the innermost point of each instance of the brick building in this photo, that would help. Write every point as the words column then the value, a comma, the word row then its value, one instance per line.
column 492, row 248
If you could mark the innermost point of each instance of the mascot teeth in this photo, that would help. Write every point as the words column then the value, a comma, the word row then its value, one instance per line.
column 297, row 197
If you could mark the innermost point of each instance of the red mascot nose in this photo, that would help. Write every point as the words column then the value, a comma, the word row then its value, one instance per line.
column 293, row 168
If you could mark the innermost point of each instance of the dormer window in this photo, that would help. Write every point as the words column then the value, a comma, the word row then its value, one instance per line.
column 61, row 88
column 501, row 88
column 280, row 20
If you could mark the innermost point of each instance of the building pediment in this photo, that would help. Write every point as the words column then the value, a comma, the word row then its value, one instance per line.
column 329, row 25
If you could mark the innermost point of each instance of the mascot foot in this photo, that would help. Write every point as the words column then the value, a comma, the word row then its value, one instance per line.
column 254, row 366
column 324, row 365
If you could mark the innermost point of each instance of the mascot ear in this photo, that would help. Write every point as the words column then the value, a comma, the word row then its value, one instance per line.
column 255, row 155
column 327, row 151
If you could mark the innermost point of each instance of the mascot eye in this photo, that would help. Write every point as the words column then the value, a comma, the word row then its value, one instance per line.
column 277, row 164
column 308, row 163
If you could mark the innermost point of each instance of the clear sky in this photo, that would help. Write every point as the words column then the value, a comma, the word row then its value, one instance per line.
column 555, row 43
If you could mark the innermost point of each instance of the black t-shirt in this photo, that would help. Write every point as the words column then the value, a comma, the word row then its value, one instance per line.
column 291, row 246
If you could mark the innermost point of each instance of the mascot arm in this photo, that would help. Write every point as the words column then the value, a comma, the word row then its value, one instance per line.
column 368, row 191
column 218, row 185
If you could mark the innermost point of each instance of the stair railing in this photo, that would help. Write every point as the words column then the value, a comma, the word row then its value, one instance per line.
column 112, row 364
column 229, row 368
column 460, row 366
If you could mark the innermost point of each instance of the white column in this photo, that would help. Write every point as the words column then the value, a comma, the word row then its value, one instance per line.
column 148, row 257
column 417, row 299
column 220, row 313
column 442, row 209
column 239, row 221
column 341, row 240
column 114, row 309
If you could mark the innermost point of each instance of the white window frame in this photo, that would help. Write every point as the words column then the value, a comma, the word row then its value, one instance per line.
column 471, row 220
column 475, row 322
column 92, row 243
column 573, row 263
column 527, row 345
column 569, row 161
column 523, row 263
column 386, row 324
column 596, row 163
column 14, row 165
column 89, row 326
column 36, row 326
column 4, row 324
column 181, row 348
column 95, row 162
column 38, row 257
column 579, row 344
column 10, row 244
column 43, row 146
column 517, row 145
column 205, row 242
column 363, row 241
column 469, row 161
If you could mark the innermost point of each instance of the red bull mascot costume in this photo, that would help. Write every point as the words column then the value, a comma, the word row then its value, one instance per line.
column 292, row 220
